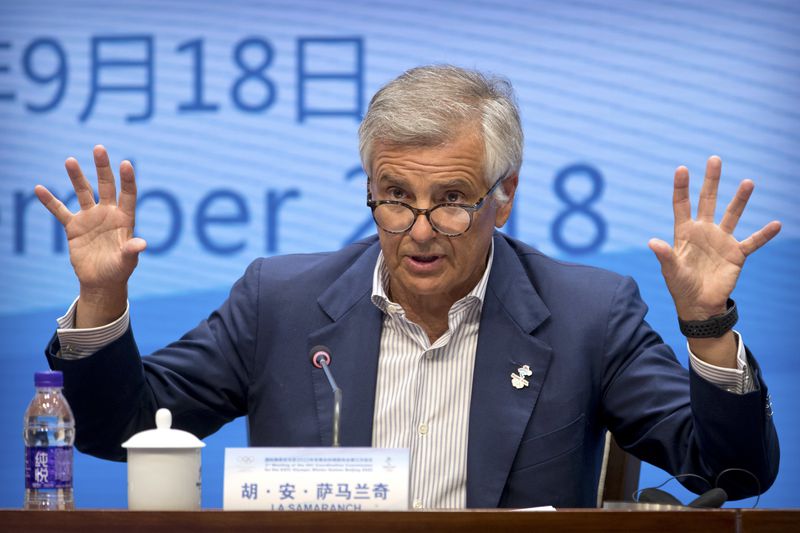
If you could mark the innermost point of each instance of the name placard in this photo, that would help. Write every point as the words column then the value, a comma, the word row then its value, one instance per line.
column 316, row 479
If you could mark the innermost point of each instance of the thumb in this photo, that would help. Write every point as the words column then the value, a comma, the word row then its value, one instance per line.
column 134, row 246
column 664, row 253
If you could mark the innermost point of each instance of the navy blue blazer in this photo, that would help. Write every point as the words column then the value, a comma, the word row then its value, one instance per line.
column 596, row 364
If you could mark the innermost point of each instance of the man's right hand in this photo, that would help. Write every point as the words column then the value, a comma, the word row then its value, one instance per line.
column 102, row 248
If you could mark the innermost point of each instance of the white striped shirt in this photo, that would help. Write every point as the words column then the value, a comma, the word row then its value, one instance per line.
column 738, row 380
column 423, row 392
column 79, row 343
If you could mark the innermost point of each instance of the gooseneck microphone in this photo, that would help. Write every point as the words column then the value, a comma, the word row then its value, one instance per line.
column 712, row 499
column 321, row 358
column 657, row 496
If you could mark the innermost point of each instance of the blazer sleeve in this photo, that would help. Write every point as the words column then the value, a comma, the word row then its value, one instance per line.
column 675, row 419
column 203, row 378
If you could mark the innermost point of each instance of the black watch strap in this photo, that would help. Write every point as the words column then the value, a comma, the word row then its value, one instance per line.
column 716, row 326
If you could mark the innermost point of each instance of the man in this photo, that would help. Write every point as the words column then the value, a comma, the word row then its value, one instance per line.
column 498, row 367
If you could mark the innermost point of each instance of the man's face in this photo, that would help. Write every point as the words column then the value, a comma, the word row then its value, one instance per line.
column 427, row 267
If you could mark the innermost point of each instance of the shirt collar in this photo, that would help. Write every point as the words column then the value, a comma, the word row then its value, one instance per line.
column 380, row 284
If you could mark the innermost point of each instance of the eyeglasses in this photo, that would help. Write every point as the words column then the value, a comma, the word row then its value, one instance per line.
column 449, row 219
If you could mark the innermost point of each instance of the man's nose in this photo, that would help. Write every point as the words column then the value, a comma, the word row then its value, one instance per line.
column 421, row 230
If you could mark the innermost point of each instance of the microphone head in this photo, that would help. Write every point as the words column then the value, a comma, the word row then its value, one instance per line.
column 712, row 499
column 659, row 496
column 320, row 355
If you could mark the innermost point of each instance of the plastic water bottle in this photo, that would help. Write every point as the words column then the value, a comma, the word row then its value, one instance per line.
column 49, row 433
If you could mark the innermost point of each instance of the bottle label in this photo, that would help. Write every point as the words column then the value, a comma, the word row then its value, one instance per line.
column 48, row 467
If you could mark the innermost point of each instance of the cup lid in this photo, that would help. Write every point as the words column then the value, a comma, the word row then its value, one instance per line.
column 163, row 436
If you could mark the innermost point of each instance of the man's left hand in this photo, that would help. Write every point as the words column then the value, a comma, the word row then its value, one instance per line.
column 703, row 265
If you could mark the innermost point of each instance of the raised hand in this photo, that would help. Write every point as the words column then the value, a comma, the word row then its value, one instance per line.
column 102, row 249
column 703, row 265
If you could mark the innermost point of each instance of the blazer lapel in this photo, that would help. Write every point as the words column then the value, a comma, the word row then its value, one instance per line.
column 353, row 337
column 499, row 412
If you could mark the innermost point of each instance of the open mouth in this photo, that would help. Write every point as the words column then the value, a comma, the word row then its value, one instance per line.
column 422, row 264
column 424, row 258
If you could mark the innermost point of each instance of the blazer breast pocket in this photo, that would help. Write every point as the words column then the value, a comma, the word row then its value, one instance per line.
column 540, row 449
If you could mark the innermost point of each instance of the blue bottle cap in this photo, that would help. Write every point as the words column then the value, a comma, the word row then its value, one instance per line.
column 48, row 379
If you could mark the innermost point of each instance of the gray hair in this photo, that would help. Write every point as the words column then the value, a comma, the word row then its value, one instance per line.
column 429, row 106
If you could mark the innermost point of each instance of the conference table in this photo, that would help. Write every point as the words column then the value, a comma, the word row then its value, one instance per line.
column 494, row 521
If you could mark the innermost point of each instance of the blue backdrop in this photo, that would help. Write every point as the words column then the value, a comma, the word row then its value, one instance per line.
column 241, row 118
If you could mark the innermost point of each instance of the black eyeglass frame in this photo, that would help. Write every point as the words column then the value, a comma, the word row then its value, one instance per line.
column 469, row 208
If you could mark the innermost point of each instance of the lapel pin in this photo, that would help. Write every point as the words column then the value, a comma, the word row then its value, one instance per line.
column 518, row 380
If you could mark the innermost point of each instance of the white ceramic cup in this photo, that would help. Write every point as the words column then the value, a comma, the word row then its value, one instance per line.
column 164, row 468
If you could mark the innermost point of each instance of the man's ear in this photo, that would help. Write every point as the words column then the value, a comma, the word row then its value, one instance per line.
column 509, row 187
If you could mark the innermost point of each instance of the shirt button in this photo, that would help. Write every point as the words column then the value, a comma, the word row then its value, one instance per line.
column 423, row 429
column 417, row 504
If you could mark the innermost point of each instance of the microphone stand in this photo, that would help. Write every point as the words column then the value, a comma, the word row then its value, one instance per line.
column 337, row 402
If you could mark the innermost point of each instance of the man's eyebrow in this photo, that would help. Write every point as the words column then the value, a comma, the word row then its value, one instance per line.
column 384, row 179
column 454, row 183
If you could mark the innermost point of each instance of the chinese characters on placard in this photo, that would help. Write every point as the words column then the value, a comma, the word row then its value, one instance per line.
column 320, row 494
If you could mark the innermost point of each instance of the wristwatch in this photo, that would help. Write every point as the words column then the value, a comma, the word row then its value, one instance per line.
column 716, row 326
